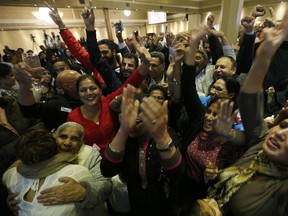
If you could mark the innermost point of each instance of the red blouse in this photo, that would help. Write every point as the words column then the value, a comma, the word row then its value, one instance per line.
column 101, row 134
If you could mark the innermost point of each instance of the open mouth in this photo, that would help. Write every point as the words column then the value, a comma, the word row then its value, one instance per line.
column 208, row 125
column 90, row 97
column 272, row 144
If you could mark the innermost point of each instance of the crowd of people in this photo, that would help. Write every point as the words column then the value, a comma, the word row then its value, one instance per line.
column 160, row 125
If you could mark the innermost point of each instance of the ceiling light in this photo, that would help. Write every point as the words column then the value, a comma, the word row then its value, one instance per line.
column 43, row 14
column 127, row 12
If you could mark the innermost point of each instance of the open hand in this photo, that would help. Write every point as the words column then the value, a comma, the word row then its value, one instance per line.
column 88, row 17
column 54, row 14
column 155, row 118
column 129, row 109
column 225, row 118
column 25, row 74
column 69, row 192
column 13, row 203
column 211, row 172
column 210, row 21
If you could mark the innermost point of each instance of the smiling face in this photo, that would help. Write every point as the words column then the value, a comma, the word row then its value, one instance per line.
column 210, row 117
column 89, row 93
column 69, row 139
column 275, row 146
column 218, row 90
column 224, row 66
column 128, row 66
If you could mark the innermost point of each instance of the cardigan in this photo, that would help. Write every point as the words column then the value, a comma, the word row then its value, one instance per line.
column 160, row 193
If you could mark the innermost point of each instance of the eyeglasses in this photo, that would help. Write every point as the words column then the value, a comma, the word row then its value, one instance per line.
column 217, row 88
column 158, row 97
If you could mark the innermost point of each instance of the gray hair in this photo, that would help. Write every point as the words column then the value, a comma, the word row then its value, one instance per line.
column 70, row 124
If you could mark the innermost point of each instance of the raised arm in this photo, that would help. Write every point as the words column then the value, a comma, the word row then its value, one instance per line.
column 250, row 98
column 73, row 45
column 247, row 46
column 193, row 105
column 121, row 44
column 174, row 71
column 215, row 45
column 273, row 38
column 105, row 70
column 227, row 48
column 114, row 153
column 24, row 76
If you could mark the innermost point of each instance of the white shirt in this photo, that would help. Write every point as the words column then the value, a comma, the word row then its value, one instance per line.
column 199, row 80
column 17, row 183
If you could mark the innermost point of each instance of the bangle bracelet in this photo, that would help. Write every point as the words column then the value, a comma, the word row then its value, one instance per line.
column 113, row 150
column 167, row 148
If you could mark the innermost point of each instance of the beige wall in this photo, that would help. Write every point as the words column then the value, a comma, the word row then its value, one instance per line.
column 137, row 21
column 21, row 38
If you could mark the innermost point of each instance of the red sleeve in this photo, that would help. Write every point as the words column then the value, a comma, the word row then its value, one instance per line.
column 79, row 52
column 135, row 79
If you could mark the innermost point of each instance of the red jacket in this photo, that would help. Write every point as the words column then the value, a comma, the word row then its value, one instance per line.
column 79, row 52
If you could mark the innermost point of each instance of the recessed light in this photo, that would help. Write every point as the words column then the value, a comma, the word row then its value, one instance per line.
column 68, row 6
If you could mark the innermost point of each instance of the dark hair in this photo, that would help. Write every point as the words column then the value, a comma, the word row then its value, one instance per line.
column 158, row 55
column 160, row 88
column 20, row 49
column 233, row 61
column 203, row 53
column 4, row 70
column 111, row 45
column 36, row 146
column 84, row 77
column 130, row 56
column 232, row 86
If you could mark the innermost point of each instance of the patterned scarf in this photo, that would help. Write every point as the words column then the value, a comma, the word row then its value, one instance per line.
column 47, row 167
column 233, row 178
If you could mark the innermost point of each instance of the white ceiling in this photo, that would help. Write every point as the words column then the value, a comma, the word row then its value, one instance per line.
column 172, row 6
